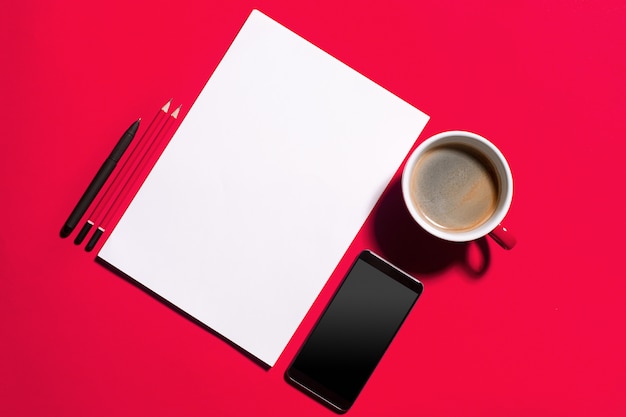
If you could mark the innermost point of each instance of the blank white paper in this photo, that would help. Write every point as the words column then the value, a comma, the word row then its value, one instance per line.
column 263, row 187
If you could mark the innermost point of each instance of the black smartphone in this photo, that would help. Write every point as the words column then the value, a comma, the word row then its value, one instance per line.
column 353, row 333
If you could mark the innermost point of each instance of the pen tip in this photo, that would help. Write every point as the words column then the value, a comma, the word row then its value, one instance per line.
column 65, row 231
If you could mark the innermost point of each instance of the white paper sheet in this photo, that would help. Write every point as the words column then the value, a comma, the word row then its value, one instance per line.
column 263, row 187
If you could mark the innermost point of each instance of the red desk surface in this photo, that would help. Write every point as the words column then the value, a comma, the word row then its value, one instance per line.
column 537, row 331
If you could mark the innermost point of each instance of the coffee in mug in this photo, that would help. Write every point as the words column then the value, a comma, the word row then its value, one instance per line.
column 458, row 186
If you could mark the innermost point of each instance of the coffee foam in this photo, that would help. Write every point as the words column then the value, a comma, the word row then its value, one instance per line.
column 454, row 187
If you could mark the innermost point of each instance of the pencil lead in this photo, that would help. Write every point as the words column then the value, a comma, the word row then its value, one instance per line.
column 175, row 112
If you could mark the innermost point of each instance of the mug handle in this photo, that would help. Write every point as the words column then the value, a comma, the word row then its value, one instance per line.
column 503, row 237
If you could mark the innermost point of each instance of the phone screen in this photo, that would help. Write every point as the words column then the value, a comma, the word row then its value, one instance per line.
column 354, row 332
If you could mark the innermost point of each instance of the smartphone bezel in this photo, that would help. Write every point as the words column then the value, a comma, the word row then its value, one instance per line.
column 315, row 388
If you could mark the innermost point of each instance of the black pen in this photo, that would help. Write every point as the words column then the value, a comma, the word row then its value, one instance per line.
column 98, row 181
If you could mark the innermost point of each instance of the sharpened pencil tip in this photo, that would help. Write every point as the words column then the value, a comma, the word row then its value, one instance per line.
column 175, row 112
column 166, row 106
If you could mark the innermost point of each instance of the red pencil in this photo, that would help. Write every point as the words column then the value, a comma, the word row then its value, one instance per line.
column 134, row 180
column 114, row 184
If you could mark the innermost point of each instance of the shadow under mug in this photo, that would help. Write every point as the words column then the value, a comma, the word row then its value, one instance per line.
column 492, row 226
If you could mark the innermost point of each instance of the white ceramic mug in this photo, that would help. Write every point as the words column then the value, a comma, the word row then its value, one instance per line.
column 455, row 177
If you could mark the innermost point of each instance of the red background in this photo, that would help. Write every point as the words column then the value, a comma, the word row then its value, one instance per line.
column 539, row 330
